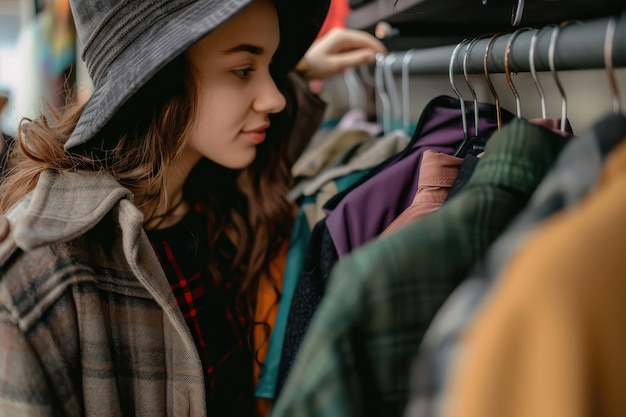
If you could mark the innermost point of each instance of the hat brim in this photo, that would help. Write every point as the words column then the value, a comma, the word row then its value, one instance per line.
column 300, row 22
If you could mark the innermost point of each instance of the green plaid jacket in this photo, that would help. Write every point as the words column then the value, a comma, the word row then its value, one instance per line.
column 355, row 359
column 88, row 324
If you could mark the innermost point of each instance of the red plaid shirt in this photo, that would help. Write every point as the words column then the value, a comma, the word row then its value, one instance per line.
column 208, row 305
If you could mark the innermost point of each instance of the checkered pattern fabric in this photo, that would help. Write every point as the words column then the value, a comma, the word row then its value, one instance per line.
column 208, row 306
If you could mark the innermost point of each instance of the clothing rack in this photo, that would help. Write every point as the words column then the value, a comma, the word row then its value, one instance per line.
column 579, row 46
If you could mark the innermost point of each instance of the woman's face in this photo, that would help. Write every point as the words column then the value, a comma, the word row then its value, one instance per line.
column 236, row 93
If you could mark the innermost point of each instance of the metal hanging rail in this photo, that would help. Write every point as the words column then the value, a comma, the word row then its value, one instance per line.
column 580, row 46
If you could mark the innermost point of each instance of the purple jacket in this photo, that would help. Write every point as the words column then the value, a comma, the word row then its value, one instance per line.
column 362, row 213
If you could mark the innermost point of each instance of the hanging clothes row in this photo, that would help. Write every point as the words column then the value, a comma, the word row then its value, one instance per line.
column 400, row 237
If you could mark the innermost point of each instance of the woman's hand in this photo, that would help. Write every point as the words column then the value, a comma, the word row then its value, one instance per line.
column 338, row 50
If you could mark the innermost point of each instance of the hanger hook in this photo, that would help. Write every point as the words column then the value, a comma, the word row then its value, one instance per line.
column 551, row 59
column 382, row 94
column 609, row 44
column 391, row 87
column 469, row 84
column 507, row 70
column 518, row 11
column 533, row 71
column 406, row 109
column 454, row 88
column 366, row 76
column 489, row 83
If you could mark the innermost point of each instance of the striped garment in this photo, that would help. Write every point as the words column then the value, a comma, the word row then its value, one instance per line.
column 88, row 323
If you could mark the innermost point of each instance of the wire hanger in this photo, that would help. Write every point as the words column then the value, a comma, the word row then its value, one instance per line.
column 475, row 141
column 533, row 71
column 489, row 83
column 453, row 85
column 551, row 58
column 507, row 70
column 609, row 44
column 406, row 109
column 469, row 84
column 518, row 11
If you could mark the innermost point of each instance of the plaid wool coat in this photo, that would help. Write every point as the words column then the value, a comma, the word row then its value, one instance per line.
column 88, row 324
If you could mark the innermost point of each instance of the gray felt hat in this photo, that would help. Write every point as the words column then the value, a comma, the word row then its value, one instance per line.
column 126, row 42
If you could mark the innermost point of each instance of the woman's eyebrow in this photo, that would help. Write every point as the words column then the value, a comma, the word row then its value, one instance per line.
column 245, row 47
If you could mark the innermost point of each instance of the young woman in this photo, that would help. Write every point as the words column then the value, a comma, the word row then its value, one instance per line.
column 141, row 230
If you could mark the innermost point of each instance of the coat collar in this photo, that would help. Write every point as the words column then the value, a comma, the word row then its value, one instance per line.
column 63, row 206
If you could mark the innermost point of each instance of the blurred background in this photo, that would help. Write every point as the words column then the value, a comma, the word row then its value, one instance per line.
column 38, row 58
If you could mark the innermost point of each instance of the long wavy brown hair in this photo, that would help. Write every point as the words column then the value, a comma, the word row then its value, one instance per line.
column 250, row 216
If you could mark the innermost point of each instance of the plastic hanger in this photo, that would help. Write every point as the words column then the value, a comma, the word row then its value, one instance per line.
column 366, row 76
column 390, row 84
column 356, row 116
column 356, row 92
column 609, row 45
column 406, row 109
column 382, row 112
column 507, row 70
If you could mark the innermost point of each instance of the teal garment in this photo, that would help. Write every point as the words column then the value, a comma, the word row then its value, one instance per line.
column 299, row 240
column 330, row 123
column 355, row 359
column 298, row 245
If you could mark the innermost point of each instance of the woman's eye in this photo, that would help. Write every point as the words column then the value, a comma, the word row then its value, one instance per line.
column 243, row 72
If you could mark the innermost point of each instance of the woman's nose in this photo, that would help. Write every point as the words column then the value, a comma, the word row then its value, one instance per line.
column 269, row 99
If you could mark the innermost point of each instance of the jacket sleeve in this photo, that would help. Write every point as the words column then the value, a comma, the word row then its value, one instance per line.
column 24, row 389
